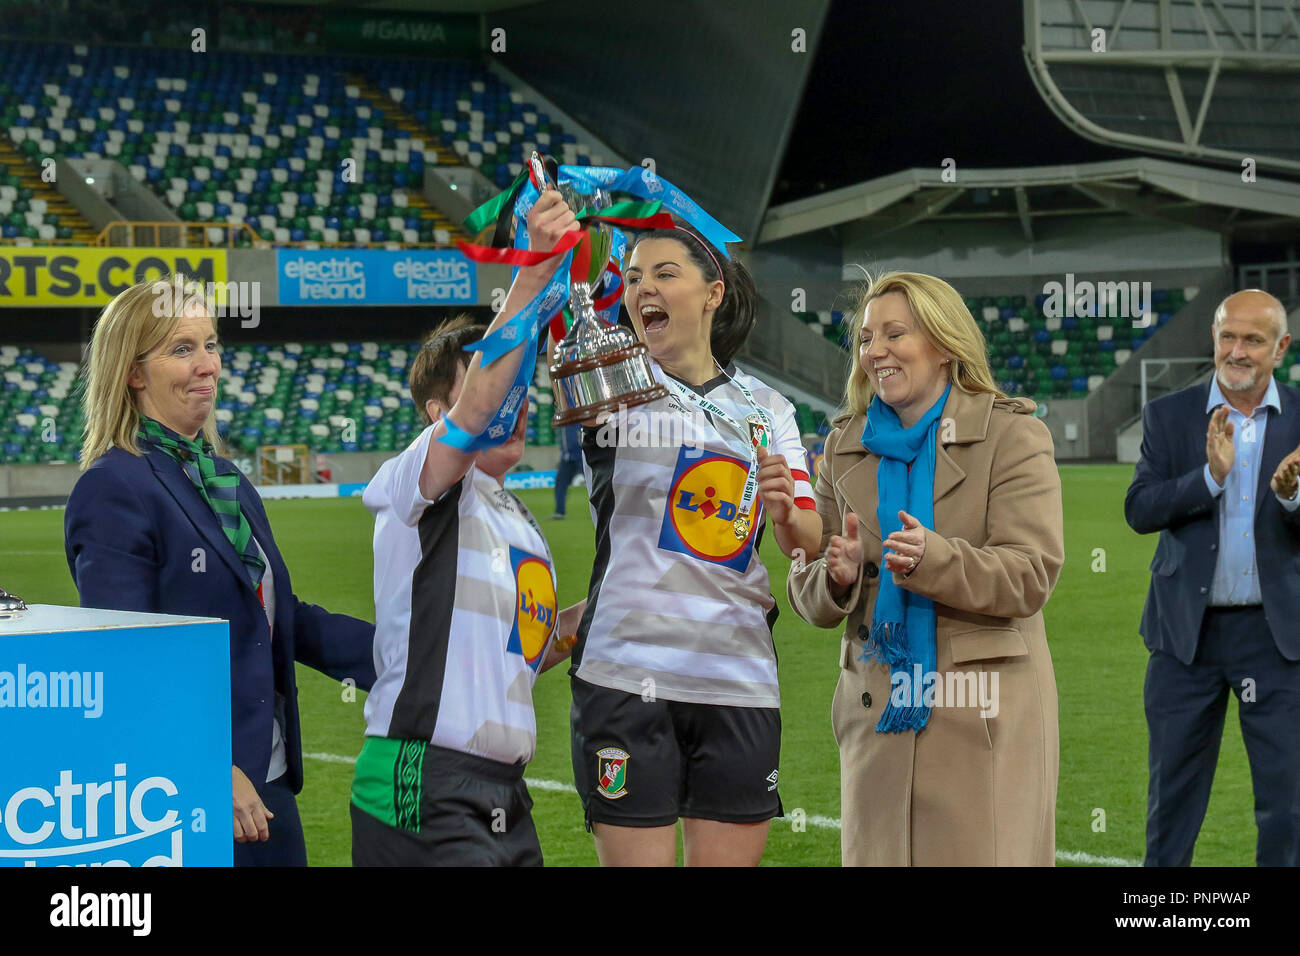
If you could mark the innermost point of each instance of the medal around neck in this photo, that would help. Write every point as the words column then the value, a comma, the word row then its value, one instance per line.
column 12, row 607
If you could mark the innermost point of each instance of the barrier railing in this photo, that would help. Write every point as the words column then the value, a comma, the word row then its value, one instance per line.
column 223, row 235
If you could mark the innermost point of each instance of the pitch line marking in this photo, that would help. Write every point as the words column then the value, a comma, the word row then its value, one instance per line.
column 821, row 822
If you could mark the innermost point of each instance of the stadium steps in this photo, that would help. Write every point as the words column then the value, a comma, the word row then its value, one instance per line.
column 64, row 214
column 404, row 121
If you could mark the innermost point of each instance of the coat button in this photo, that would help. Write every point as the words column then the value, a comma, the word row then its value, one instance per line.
column 1205, row 590
column 871, row 570
column 866, row 700
column 1214, row 547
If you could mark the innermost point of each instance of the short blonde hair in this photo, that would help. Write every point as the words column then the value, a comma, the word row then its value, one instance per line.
column 136, row 322
column 942, row 318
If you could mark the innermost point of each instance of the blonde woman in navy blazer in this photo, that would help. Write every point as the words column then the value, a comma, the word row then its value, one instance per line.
column 137, row 524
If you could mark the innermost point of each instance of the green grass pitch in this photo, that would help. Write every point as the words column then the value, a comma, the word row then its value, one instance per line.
column 1091, row 626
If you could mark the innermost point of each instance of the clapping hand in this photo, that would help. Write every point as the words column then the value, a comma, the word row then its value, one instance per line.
column 1218, row 445
column 904, row 549
column 1287, row 476
column 844, row 555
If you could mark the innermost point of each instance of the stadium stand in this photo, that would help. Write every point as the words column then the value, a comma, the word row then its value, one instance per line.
column 331, row 396
column 263, row 139
column 32, row 208
column 1043, row 357
column 40, row 411
column 485, row 123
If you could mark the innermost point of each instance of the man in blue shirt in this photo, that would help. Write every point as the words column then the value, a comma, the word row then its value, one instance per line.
column 570, row 464
column 1223, row 608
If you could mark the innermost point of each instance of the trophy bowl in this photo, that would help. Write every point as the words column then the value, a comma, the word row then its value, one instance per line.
column 598, row 369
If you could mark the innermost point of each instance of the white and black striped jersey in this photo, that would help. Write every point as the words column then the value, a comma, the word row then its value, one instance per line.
column 465, row 610
column 679, row 605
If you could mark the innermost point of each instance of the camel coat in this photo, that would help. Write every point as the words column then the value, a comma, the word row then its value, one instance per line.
column 968, row 790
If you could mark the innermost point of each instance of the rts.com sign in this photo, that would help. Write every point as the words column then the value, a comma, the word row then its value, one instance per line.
column 117, row 740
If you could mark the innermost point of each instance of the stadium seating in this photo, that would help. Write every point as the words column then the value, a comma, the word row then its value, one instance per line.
column 34, row 209
column 480, row 118
column 263, row 139
column 351, row 396
column 1041, row 357
column 40, row 411
column 331, row 396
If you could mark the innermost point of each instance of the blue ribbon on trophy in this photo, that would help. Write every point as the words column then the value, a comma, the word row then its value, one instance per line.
column 525, row 327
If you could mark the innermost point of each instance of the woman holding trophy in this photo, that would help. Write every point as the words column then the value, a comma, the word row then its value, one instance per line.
column 675, row 697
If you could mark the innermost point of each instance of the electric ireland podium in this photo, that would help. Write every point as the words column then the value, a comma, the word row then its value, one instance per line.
column 114, row 739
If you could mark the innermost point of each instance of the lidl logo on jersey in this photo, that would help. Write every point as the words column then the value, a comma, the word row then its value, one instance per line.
column 703, row 503
column 535, row 606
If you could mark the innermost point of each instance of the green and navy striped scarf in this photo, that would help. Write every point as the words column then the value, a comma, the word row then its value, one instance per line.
column 221, row 491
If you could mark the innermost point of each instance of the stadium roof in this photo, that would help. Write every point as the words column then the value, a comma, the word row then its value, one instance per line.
column 1150, row 188
column 1213, row 81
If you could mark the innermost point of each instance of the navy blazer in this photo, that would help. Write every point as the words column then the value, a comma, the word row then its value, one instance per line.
column 131, row 530
column 1168, row 494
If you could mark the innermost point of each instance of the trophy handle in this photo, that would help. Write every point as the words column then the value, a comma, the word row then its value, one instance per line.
column 545, row 170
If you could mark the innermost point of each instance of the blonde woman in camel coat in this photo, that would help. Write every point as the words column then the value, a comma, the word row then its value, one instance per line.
column 976, row 785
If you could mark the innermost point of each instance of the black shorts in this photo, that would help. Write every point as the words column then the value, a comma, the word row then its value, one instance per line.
column 639, row 763
column 414, row 804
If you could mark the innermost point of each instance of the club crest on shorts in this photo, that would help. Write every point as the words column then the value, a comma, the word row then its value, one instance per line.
column 611, row 772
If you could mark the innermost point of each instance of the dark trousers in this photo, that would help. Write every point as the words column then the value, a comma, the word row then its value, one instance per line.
column 472, row 812
column 1185, row 708
column 564, row 473
column 286, row 847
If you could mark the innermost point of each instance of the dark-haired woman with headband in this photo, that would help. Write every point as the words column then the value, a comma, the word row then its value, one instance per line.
column 675, row 696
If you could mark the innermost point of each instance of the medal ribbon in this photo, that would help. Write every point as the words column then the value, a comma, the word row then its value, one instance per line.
column 700, row 402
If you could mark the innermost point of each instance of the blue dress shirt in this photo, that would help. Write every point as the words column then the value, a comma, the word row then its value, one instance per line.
column 1236, row 576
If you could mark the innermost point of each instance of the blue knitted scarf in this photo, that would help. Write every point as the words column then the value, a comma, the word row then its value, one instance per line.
column 902, row 625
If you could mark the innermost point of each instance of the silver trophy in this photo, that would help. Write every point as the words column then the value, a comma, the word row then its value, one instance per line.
column 596, row 368
column 11, row 606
